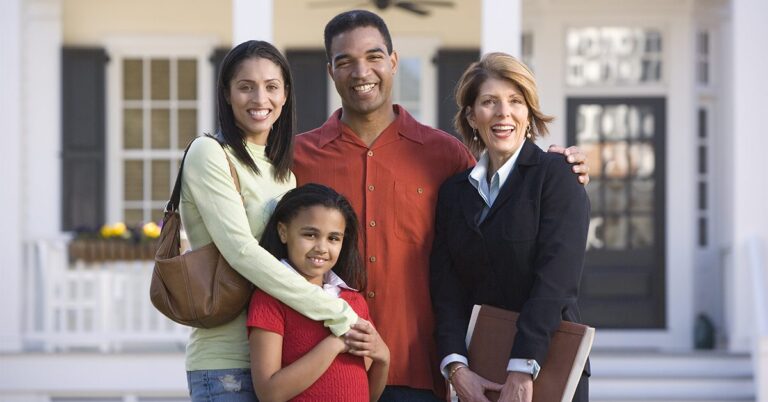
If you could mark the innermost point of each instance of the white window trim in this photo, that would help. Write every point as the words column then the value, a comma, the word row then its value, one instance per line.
column 141, row 46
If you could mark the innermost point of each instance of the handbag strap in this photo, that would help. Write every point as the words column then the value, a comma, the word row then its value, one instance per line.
column 173, row 203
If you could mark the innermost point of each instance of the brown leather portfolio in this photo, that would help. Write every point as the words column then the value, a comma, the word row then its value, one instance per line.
column 491, row 334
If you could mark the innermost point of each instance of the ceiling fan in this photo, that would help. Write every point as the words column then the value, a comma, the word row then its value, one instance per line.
column 414, row 6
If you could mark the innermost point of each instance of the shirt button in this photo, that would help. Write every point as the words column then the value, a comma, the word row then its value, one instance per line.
column 370, row 153
column 372, row 259
column 373, row 223
column 371, row 294
column 420, row 190
column 370, row 188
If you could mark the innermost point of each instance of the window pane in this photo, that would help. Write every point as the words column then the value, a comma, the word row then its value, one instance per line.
column 615, row 196
column 161, row 129
column 593, row 192
column 642, row 195
column 648, row 124
column 187, row 127
column 187, row 81
column 133, row 127
column 133, row 179
column 642, row 232
column 160, row 79
column 613, row 56
column 615, row 232
column 641, row 159
column 132, row 79
column 410, row 77
column 161, row 173
column 588, row 123
column 613, row 122
column 133, row 217
column 615, row 159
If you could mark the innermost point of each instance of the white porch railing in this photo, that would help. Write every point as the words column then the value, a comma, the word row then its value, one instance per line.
column 759, row 280
column 100, row 306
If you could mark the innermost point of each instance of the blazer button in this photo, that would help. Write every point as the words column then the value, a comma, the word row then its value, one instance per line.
column 371, row 294
column 373, row 223
column 372, row 259
column 370, row 153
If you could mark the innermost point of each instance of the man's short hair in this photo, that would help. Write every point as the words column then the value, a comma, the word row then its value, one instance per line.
column 350, row 20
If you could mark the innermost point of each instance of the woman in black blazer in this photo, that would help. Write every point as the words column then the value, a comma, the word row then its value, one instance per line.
column 510, row 232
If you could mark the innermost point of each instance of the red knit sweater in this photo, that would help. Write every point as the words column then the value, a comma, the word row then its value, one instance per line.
column 346, row 379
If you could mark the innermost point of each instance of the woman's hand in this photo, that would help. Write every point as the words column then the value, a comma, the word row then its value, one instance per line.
column 470, row 387
column 517, row 388
column 575, row 157
column 363, row 340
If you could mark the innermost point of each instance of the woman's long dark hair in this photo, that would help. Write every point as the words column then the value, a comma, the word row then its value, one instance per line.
column 349, row 266
column 280, row 141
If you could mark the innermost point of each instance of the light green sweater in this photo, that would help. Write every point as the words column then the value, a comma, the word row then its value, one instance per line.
column 211, row 210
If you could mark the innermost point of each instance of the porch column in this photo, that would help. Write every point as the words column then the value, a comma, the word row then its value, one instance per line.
column 252, row 19
column 41, row 75
column 749, row 134
column 501, row 24
column 10, row 165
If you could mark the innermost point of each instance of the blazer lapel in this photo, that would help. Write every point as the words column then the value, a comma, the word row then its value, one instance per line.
column 471, row 204
column 512, row 188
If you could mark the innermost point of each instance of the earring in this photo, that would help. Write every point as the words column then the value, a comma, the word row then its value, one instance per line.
column 528, row 131
column 474, row 130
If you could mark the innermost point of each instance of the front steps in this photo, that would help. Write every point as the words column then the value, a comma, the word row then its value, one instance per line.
column 711, row 376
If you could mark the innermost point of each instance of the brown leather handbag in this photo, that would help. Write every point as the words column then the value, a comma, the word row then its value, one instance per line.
column 198, row 288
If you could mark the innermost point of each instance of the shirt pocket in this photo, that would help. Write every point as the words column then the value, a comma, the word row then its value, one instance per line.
column 414, row 211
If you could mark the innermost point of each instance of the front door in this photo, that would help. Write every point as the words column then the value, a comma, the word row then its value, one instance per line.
column 623, row 285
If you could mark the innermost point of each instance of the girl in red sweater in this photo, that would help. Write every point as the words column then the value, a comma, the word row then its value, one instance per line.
column 314, row 231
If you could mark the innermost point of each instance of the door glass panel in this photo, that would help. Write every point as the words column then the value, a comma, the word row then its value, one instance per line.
column 623, row 141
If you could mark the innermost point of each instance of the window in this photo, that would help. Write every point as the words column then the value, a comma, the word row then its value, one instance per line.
column 160, row 99
column 526, row 49
column 702, row 58
column 613, row 56
column 702, row 173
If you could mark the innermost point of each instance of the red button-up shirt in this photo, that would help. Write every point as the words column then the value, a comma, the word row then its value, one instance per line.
column 393, row 186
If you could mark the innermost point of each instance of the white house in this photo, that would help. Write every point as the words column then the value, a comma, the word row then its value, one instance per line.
column 99, row 97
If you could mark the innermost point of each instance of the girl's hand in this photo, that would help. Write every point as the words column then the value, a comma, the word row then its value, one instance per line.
column 517, row 388
column 364, row 340
column 470, row 387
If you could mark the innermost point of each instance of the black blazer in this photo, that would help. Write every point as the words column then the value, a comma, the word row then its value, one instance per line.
column 527, row 255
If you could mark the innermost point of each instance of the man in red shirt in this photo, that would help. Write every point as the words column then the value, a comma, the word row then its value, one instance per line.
column 390, row 167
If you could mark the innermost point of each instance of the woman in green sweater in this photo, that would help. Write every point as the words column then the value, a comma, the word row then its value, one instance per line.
column 256, row 117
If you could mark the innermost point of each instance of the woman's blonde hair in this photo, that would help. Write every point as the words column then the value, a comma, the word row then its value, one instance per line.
column 501, row 66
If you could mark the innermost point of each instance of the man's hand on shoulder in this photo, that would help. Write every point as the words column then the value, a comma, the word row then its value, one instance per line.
column 575, row 157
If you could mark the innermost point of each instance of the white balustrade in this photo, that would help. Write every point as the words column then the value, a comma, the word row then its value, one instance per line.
column 759, row 280
column 102, row 306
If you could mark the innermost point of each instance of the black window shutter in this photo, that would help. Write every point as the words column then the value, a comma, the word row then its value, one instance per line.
column 216, row 58
column 451, row 63
column 310, row 87
column 83, row 137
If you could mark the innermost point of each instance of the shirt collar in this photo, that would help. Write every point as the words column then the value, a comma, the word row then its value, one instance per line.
column 406, row 125
column 478, row 174
column 332, row 283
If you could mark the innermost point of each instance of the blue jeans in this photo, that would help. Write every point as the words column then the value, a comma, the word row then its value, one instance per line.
column 393, row 393
column 227, row 385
